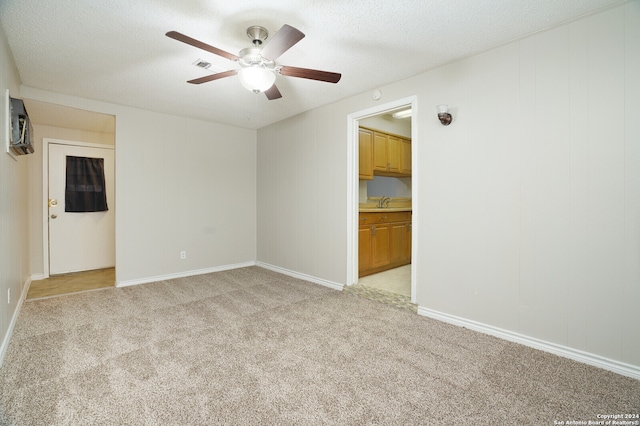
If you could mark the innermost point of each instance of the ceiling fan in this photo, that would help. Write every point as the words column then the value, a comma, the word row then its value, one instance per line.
column 258, row 67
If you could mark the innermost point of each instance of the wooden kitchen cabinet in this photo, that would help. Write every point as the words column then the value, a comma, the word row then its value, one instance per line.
column 386, row 153
column 380, row 245
column 380, row 151
column 365, row 261
column 391, row 153
column 397, row 243
column 384, row 241
column 394, row 154
column 405, row 150
column 365, row 151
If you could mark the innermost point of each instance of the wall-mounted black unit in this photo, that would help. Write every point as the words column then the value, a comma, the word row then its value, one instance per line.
column 21, row 129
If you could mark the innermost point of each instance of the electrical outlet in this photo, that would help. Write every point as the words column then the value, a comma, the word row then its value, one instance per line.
column 183, row 254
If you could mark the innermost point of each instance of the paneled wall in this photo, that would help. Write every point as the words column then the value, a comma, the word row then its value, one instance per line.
column 14, row 254
column 182, row 185
column 533, row 221
column 301, row 204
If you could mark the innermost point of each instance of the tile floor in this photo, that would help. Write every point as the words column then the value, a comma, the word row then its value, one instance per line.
column 396, row 280
column 392, row 287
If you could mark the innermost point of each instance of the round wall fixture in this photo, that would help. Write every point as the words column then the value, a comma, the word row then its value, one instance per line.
column 376, row 95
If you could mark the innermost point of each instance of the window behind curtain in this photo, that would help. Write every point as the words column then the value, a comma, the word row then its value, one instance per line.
column 85, row 189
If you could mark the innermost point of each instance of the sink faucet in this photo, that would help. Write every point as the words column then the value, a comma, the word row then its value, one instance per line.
column 384, row 202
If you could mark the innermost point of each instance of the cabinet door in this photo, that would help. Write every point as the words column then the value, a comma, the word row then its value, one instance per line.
column 405, row 156
column 394, row 148
column 398, row 242
column 380, row 239
column 380, row 151
column 364, row 248
column 365, row 151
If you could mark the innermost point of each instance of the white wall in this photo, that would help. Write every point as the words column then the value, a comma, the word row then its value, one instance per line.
column 14, row 235
column 181, row 184
column 529, row 204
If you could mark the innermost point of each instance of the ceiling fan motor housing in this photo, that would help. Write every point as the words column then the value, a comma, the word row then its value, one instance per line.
column 251, row 57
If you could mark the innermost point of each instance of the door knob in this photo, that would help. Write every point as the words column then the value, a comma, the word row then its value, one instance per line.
column 53, row 202
column 53, row 216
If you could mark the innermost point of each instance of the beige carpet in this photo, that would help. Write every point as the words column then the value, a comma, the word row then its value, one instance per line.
column 250, row 346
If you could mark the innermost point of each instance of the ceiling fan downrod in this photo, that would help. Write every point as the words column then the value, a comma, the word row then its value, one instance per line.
column 257, row 34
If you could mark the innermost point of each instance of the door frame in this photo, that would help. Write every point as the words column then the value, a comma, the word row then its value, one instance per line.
column 353, row 185
column 45, row 190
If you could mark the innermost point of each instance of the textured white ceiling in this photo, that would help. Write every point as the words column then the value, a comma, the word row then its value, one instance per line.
column 117, row 51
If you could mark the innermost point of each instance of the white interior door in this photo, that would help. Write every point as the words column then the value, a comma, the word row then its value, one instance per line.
column 79, row 241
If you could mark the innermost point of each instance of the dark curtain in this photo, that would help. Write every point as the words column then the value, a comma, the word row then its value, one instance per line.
column 85, row 187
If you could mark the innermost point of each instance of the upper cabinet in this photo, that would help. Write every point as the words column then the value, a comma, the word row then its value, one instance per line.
column 365, row 141
column 383, row 154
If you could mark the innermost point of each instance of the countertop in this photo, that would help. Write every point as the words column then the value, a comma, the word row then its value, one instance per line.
column 395, row 204
column 384, row 209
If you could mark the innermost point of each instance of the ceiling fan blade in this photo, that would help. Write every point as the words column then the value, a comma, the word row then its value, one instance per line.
column 212, row 77
column 282, row 41
column 200, row 45
column 273, row 93
column 329, row 77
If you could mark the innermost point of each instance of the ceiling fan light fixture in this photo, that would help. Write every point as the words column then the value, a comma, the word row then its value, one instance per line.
column 256, row 79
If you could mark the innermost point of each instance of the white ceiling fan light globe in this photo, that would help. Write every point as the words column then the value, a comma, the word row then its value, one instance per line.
column 256, row 79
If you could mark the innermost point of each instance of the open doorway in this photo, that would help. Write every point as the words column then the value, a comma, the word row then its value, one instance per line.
column 387, row 193
column 81, row 134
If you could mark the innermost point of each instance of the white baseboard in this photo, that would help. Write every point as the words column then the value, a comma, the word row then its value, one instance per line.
column 183, row 274
column 326, row 283
column 618, row 367
column 38, row 277
column 14, row 318
column 288, row 272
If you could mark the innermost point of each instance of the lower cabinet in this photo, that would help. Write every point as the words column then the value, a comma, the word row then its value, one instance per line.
column 380, row 245
column 384, row 241
column 365, row 258
column 397, row 243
